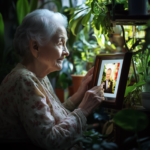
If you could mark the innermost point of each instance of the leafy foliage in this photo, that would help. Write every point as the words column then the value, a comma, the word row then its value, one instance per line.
column 131, row 120
column 94, row 13
column 22, row 9
column 84, row 50
column 95, row 141
column 134, row 121
column 33, row 5
column 63, row 81
column 83, row 13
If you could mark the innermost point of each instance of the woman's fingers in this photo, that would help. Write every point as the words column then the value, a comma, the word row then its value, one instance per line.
column 102, row 98
column 90, row 72
column 98, row 90
column 92, row 99
column 88, row 79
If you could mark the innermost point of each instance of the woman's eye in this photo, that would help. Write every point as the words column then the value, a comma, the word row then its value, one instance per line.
column 60, row 43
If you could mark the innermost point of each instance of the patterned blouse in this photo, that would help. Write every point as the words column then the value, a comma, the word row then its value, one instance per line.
column 30, row 109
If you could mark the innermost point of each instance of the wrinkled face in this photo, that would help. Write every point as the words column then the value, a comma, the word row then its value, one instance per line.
column 53, row 53
column 108, row 74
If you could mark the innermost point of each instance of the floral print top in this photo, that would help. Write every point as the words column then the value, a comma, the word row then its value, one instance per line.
column 30, row 109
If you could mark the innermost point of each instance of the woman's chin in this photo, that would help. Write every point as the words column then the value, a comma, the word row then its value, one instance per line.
column 59, row 67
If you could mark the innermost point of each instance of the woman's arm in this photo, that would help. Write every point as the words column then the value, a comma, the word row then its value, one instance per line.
column 39, row 123
column 74, row 101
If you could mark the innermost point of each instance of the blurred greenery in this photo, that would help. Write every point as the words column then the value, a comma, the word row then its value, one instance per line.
column 131, row 120
column 134, row 121
column 93, row 140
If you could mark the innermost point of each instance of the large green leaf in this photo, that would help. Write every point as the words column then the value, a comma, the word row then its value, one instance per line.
column 70, row 2
column 131, row 120
column 75, row 24
column 132, row 88
column 86, row 19
column 57, row 3
column 22, row 10
column 33, row 5
column 1, row 35
column 75, row 15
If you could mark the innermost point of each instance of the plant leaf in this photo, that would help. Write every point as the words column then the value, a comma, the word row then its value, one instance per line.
column 109, row 145
column 22, row 10
column 129, row 139
column 75, row 24
column 33, row 5
column 86, row 19
column 132, row 88
column 131, row 120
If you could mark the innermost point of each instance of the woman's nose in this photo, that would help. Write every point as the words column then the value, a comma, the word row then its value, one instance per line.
column 65, row 51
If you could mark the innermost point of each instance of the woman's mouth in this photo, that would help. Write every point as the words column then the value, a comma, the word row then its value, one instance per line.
column 61, row 59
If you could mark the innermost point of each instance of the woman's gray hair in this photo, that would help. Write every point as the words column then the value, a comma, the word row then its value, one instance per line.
column 39, row 25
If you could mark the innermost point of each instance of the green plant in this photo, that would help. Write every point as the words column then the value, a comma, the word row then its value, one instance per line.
column 85, row 19
column 63, row 81
column 23, row 7
column 141, row 57
column 133, row 121
column 84, row 51
column 95, row 141
column 100, row 20
column 96, row 12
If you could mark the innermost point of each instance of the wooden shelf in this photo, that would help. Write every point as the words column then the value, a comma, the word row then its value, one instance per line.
column 123, row 18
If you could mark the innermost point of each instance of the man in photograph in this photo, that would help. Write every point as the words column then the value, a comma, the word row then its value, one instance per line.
column 107, row 84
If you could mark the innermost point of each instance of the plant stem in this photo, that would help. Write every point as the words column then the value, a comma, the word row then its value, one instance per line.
column 99, row 6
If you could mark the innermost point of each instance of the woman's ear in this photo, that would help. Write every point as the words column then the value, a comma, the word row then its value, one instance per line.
column 34, row 48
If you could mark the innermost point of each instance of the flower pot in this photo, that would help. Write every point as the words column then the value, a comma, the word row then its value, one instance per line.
column 145, row 99
column 76, row 79
column 60, row 94
column 137, row 7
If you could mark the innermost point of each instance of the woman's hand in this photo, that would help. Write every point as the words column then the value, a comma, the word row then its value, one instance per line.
column 92, row 99
column 78, row 96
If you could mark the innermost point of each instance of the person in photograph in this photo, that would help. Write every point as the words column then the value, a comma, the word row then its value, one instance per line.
column 107, row 84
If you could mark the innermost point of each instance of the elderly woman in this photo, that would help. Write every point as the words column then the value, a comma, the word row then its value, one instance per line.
column 29, row 108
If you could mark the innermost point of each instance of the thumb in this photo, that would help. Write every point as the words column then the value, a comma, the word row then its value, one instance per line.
column 87, row 81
